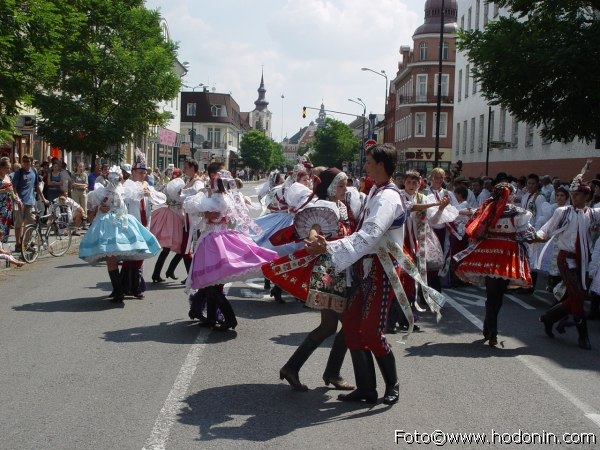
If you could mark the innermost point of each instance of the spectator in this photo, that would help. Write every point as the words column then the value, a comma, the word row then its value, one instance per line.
column 55, row 182
column 15, row 167
column 73, row 210
column 5, row 254
column 92, row 177
column 26, row 181
column 6, row 200
column 103, row 177
column 79, row 186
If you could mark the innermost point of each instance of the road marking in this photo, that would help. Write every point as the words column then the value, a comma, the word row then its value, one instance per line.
column 587, row 410
column 174, row 402
column 464, row 294
column 519, row 301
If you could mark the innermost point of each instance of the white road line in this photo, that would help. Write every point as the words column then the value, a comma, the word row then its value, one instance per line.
column 519, row 301
column 465, row 294
column 588, row 411
column 174, row 402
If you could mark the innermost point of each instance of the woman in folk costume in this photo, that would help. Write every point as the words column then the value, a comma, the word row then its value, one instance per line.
column 375, row 252
column 139, row 199
column 167, row 225
column 224, row 253
column 496, row 257
column 192, row 186
column 114, row 234
column 313, row 279
column 570, row 225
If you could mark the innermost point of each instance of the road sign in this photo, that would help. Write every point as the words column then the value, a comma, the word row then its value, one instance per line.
column 370, row 143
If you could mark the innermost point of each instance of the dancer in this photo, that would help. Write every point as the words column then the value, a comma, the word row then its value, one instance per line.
column 571, row 226
column 114, row 234
column 222, row 254
column 377, row 258
column 313, row 280
column 139, row 199
column 167, row 225
column 497, row 257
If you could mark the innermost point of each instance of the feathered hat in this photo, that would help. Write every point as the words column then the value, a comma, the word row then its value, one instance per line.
column 578, row 185
column 140, row 160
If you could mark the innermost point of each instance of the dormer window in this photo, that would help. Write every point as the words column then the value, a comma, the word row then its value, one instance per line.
column 218, row 111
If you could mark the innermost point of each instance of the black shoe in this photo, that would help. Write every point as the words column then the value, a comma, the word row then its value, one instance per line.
column 292, row 377
column 183, row 281
column 158, row 279
column 493, row 341
column 139, row 296
column 358, row 396
column 267, row 284
column 583, row 339
column 339, row 383
column 171, row 275
column 276, row 294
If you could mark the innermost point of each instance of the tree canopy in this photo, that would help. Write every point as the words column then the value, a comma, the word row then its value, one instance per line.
column 260, row 152
column 334, row 143
column 542, row 63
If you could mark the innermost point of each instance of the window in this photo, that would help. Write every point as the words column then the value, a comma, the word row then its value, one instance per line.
column 496, row 9
column 423, row 51
column 459, row 84
column 477, row 12
column 462, row 22
column 469, row 19
column 457, row 138
column 191, row 109
column 217, row 111
column 472, row 140
column 474, row 85
column 464, row 138
column 515, row 133
column 529, row 135
column 421, row 88
column 445, row 78
column 486, row 12
column 481, row 128
column 467, row 75
column 492, row 125
column 443, row 124
column 502, row 126
column 445, row 51
column 419, row 124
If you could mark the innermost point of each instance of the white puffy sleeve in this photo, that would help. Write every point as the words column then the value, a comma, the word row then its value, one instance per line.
column 380, row 213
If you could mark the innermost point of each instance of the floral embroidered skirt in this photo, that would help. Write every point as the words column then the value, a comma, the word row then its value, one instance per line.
column 496, row 258
column 311, row 279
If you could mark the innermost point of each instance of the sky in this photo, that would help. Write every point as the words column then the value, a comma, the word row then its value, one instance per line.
column 311, row 51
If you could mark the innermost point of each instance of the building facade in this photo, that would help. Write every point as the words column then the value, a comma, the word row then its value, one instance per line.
column 510, row 146
column 415, row 91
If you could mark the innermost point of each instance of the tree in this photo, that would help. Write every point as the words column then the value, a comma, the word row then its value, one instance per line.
column 31, row 41
column 256, row 150
column 277, row 156
column 114, row 68
column 333, row 144
column 542, row 64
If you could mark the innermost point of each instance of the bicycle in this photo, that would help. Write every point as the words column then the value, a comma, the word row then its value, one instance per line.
column 56, row 237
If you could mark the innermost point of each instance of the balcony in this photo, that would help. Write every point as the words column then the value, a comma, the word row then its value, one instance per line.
column 423, row 99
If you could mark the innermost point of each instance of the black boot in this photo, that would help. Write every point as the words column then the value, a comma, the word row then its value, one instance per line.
column 387, row 365
column 115, row 279
column 187, row 262
column 584, row 339
column 267, row 284
column 160, row 262
column 551, row 316
column 173, row 265
column 291, row 368
column 228, row 313
column 594, row 307
column 364, row 373
column 334, row 364
column 276, row 294
column 138, row 286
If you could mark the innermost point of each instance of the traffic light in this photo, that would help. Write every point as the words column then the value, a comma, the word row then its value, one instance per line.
column 304, row 112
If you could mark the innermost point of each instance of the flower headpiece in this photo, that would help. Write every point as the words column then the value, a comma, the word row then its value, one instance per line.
column 578, row 185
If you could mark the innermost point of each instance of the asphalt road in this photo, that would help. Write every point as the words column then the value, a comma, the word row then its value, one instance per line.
column 79, row 373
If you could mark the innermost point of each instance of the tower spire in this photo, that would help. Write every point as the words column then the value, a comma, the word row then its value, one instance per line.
column 261, row 103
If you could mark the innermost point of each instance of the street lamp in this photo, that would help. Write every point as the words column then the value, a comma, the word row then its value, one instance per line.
column 192, row 132
column 362, row 143
column 381, row 73
column 439, row 91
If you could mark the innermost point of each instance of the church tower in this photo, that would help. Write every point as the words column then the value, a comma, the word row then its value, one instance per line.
column 260, row 118
column 321, row 120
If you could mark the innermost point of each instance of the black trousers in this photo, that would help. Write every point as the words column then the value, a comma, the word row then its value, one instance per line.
column 494, row 289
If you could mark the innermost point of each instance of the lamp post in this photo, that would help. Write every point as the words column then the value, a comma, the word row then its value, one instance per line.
column 362, row 142
column 439, row 93
column 192, row 132
column 381, row 73
column 282, row 97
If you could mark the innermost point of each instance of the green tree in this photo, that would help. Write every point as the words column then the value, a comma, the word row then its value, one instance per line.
column 31, row 42
column 333, row 144
column 542, row 64
column 256, row 150
column 277, row 157
column 114, row 67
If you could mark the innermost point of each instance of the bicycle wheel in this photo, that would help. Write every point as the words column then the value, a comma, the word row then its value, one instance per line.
column 31, row 243
column 59, row 239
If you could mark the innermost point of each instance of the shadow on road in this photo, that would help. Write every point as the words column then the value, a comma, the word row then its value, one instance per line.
column 260, row 412
column 86, row 304
column 179, row 332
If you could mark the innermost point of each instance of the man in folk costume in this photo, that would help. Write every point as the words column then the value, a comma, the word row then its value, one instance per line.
column 571, row 226
column 375, row 252
column 533, row 202
column 139, row 205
